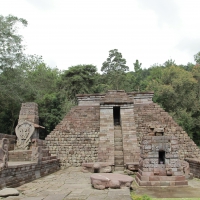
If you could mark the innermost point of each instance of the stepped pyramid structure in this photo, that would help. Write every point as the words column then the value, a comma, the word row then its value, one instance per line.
column 110, row 128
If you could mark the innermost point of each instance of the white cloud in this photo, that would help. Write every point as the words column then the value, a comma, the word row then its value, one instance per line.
column 166, row 10
column 42, row 4
column 74, row 32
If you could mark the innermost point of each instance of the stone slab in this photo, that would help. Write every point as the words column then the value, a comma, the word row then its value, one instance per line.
column 103, row 180
column 55, row 196
column 9, row 192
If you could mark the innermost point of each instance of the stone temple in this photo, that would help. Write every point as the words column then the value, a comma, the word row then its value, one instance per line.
column 115, row 131
column 124, row 131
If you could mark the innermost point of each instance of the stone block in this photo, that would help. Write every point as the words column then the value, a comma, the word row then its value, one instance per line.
column 144, row 178
column 144, row 183
column 154, row 178
column 179, row 178
column 155, row 183
column 179, row 183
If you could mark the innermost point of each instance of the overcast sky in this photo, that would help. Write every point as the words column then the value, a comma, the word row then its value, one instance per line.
column 72, row 32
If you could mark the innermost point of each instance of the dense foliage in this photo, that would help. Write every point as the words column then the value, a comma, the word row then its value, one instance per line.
column 26, row 78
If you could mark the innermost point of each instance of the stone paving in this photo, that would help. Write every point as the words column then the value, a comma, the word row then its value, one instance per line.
column 66, row 184
column 190, row 191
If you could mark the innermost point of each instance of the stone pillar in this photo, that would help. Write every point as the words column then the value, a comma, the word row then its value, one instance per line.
column 28, row 125
column 130, row 144
column 29, row 112
column 106, row 135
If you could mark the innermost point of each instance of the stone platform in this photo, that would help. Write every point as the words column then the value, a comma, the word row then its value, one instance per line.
column 68, row 184
column 106, row 180
column 149, row 179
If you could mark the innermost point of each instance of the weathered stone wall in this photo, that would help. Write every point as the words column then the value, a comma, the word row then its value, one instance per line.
column 89, row 99
column 106, row 135
column 148, row 117
column 17, row 175
column 11, row 138
column 75, row 139
column 141, row 97
column 20, row 155
column 194, row 166
column 150, row 147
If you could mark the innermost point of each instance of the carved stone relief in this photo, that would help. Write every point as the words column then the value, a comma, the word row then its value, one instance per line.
column 24, row 131
column 4, row 154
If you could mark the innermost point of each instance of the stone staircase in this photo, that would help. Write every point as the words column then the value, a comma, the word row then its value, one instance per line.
column 118, row 155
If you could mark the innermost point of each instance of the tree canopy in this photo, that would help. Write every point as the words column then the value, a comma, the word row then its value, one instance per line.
column 114, row 68
column 11, row 48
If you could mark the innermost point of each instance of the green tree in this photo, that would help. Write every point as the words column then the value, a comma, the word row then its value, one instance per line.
column 175, row 91
column 115, row 67
column 137, row 75
column 187, row 67
column 11, row 48
column 137, row 66
column 197, row 58
column 12, row 89
column 169, row 63
column 128, row 84
column 11, row 77
column 78, row 79
column 26, row 78
column 43, row 88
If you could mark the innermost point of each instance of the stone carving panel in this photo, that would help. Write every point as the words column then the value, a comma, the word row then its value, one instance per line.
column 185, row 167
column 4, row 154
column 24, row 131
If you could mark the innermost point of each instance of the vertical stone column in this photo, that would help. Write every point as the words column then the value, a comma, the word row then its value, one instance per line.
column 29, row 112
column 130, row 145
column 106, row 135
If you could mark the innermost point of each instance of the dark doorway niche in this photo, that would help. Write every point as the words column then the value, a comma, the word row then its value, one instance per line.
column 161, row 159
column 96, row 170
column 116, row 115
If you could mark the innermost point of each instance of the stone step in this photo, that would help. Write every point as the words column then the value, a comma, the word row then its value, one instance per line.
column 118, row 143
column 117, row 131
column 118, row 148
column 118, row 135
column 119, row 153
column 117, row 127
column 118, row 139
column 119, row 162
column 119, row 168
column 119, row 157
